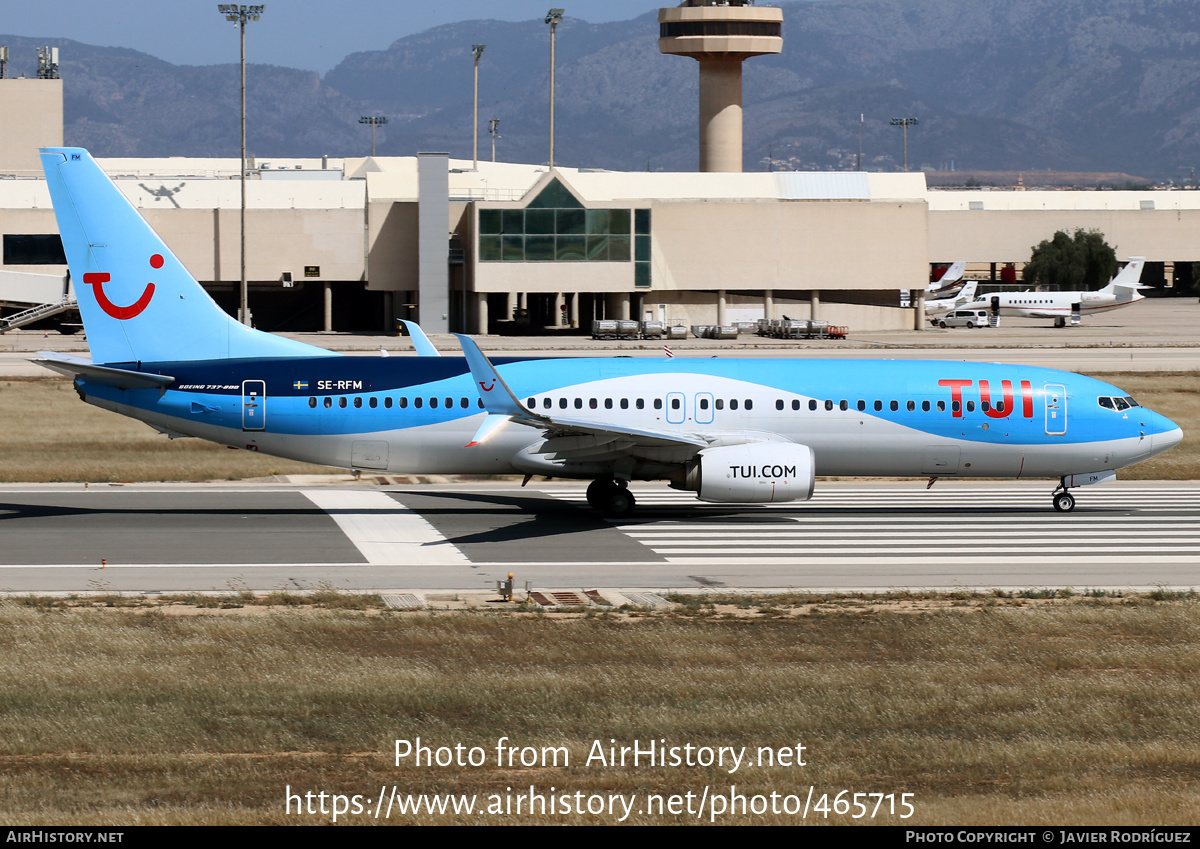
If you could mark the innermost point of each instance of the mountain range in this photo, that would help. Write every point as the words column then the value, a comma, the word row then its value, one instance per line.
column 1064, row 85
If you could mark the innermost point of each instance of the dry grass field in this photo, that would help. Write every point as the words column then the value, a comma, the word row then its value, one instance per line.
column 994, row 710
column 48, row 434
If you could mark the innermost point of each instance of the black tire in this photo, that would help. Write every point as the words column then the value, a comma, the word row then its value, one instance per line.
column 1064, row 502
column 619, row 504
column 942, row 325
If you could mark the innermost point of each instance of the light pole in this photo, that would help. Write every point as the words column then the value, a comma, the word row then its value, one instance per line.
column 905, row 122
column 554, row 18
column 477, row 52
column 494, row 129
column 240, row 15
column 374, row 121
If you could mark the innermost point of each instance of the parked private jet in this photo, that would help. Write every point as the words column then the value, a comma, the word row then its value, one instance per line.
column 935, row 309
column 1121, row 291
column 728, row 429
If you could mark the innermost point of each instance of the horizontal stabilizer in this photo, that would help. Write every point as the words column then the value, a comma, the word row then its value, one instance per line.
column 73, row 366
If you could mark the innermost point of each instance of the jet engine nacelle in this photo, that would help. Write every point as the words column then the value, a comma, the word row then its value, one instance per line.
column 753, row 473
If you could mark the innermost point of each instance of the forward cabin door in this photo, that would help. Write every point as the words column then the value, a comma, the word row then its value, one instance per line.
column 254, row 405
column 1056, row 409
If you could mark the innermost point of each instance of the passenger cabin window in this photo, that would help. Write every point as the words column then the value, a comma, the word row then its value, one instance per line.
column 312, row 402
column 658, row 403
column 328, row 402
column 812, row 403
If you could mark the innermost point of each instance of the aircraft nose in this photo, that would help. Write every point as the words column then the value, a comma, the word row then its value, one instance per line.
column 1161, row 442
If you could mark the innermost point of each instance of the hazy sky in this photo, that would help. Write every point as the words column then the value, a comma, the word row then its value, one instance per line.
column 296, row 33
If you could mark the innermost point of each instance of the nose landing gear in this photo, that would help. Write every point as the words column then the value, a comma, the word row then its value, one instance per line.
column 1064, row 501
column 611, row 496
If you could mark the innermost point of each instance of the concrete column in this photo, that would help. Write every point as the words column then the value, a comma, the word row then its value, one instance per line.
column 560, row 301
column 721, row 114
column 573, row 309
column 328, row 323
column 814, row 304
column 721, row 307
column 481, row 313
column 623, row 306
column 511, row 306
column 433, row 234
column 769, row 303
column 917, row 298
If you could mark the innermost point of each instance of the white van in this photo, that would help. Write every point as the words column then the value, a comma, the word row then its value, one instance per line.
column 965, row 318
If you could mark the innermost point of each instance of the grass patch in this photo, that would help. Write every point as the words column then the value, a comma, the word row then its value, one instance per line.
column 988, row 708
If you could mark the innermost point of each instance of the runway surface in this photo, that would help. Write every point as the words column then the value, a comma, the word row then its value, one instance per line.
column 851, row 536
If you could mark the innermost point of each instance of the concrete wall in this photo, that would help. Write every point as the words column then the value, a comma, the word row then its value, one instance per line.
column 31, row 116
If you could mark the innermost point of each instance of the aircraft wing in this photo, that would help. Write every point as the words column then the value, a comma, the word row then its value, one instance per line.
column 73, row 366
column 576, row 437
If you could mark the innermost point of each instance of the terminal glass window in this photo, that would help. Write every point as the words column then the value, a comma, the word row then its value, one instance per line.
column 555, row 227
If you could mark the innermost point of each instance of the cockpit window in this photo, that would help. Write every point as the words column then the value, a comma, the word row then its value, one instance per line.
column 1121, row 403
column 1106, row 402
column 1129, row 400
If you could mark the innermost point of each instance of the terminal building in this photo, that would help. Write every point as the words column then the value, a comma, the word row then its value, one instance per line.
column 355, row 243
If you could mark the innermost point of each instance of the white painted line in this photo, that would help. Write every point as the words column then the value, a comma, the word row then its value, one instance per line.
column 384, row 530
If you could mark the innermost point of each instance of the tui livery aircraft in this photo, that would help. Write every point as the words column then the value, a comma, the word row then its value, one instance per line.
column 730, row 430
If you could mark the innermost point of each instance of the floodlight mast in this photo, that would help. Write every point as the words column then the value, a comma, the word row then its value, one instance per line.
column 374, row 121
column 239, row 15
column 494, row 129
column 477, row 52
column 554, row 17
column 905, row 123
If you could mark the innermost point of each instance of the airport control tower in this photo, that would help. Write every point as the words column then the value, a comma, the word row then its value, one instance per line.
column 720, row 35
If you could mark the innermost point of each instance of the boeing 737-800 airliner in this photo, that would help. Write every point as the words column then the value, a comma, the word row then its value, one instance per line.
column 731, row 430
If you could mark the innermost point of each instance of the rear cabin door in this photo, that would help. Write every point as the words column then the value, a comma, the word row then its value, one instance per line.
column 254, row 405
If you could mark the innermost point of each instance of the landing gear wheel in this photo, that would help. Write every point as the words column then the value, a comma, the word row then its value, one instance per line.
column 619, row 504
column 1064, row 502
column 597, row 492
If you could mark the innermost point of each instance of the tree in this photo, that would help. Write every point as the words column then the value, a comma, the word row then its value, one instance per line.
column 1080, row 262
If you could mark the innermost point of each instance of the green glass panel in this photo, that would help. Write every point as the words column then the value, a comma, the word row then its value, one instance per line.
column 554, row 196
column 514, row 248
column 597, row 248
column 514, row 221
column 489, row 220
column 618, row 249
column 641, row 275
column 539, row 248
column 597, row 221
column 642, row 249
column 540, row 221
column 641, row 222
column 489, row 248
column 571, row 248
column 618, row 222
column 569, row 221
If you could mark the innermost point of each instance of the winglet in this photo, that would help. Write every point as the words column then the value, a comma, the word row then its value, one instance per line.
column 502, row 403
column 420, row 341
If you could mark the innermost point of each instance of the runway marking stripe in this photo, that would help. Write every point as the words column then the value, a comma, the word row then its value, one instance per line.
column 384, row 530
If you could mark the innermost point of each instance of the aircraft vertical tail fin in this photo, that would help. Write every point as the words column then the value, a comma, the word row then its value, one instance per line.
column 1129, row 276
column 952, row 275
column 138, row 302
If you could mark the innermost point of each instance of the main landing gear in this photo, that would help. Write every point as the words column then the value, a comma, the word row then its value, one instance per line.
column 1064, row 501
column 611, row 496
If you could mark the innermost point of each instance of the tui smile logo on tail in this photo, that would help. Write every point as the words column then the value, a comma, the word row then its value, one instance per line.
column 97, row 280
